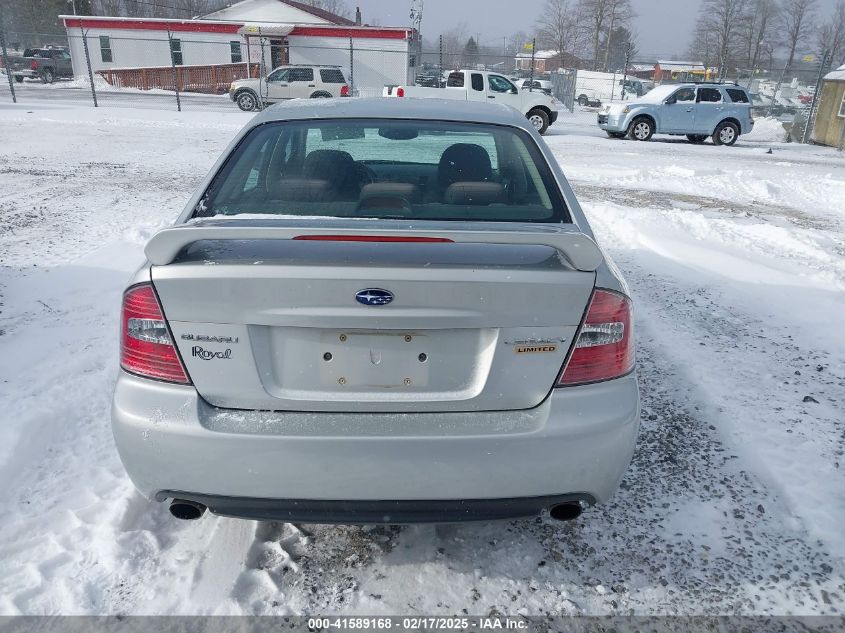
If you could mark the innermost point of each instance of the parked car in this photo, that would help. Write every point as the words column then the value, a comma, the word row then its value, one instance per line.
column 537, row 84
column 490, row 87
column 289, row 82
column 430, row 79
column 407, row 320
column 720, row 111
column 46, row 64
column 595, row 88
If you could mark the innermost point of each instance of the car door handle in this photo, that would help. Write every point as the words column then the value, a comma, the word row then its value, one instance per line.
column 312, row 85
column 491, row 97
column 689, row 109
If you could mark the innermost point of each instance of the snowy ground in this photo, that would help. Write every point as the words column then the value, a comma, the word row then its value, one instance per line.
column 735, row 500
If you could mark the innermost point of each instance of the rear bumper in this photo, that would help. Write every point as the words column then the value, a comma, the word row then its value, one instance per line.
column 371, row 512
column 30, row 74
column 577, row 444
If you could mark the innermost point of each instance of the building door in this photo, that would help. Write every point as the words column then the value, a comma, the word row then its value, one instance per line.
column 279, row 54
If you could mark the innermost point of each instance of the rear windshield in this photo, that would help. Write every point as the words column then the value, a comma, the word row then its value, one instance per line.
column 332, row 76
column 387, row 169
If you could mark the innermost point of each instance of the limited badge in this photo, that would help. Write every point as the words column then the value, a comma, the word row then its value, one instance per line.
column 538, row 348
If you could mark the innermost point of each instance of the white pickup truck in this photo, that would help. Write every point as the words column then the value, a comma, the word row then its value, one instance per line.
column 480, row 85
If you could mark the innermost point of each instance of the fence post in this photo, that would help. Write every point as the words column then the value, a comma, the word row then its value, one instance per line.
column 811, row 119
column 5, row 56
column 175, row 74
column 440, row 76
column 351, row 68
column 533, row 52
column 88, row 63
column 262, row 71
column 625, row 70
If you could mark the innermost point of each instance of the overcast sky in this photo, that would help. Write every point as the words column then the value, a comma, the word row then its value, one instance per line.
column 663, row 27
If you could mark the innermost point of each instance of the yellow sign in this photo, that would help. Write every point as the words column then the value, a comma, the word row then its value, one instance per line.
column 809, row 58
column 528, row 46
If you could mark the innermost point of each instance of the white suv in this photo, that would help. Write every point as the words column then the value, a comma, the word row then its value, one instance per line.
column 289, row 82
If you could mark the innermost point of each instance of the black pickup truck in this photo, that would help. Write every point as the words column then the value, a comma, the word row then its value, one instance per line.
column 46, row 64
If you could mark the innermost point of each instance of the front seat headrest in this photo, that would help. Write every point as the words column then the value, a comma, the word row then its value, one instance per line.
column 464, row 162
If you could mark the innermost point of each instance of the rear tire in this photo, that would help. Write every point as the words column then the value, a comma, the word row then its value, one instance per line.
column 247, row 101
column 698, row 139
column 19, row 79
column 641, row 129
column 539, row 119
column 583, row 100
column 619, row 135
column 726, row 133
column 48, row 76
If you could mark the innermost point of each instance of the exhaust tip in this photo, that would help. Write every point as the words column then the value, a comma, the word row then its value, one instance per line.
column 565, row 511
column 186, row 510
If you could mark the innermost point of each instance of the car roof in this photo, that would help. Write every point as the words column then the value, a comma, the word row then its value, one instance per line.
column 396, row 108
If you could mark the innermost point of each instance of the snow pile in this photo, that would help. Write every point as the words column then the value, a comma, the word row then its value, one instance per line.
column 767, row 130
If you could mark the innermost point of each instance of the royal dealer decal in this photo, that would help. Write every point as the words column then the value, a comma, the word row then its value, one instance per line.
column 205, row 354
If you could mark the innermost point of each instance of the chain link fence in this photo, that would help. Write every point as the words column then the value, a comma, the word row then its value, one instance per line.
column 192, row 71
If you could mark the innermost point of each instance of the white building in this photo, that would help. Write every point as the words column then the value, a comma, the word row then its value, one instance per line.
column 249, row 36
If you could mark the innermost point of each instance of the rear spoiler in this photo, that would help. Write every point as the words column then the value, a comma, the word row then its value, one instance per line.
column 577, row 249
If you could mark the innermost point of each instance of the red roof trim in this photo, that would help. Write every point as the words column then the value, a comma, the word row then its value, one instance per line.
column 335, row 31
column 201, row 26
column 196, row 26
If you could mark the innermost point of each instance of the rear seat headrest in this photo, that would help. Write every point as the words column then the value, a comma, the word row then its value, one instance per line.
column 474, row 193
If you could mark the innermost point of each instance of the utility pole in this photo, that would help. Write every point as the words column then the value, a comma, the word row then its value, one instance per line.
column 73, row 4
column 5, row 56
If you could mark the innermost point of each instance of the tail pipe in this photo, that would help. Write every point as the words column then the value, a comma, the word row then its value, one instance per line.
column 566, row 511
column 186, row 510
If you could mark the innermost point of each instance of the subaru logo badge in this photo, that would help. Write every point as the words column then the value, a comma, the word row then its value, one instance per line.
column 374, row 297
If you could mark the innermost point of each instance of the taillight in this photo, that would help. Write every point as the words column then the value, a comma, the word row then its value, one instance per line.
column 344, row 91
column 33, row 65
column 146, row 346
column 400, row 92
column 605, row 345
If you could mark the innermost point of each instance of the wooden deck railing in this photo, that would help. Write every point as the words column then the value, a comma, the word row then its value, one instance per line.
column 214, row 78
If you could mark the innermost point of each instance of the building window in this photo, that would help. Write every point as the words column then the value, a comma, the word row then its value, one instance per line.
column 842, row 106
column 235, row 48
column 176, row 52
column 105, row 49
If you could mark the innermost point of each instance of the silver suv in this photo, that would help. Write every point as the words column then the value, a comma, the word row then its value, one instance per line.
column 720, row 111
column 289, row 82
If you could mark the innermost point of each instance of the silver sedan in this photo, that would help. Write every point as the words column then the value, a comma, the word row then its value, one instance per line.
column 378, row 311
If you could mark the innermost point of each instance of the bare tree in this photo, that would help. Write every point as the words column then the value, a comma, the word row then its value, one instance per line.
column 796, row 24
column 830, row 37
column 338, row 7
column 620, row 14
column 757, row 30
column 108, row 7
column 559, row 27
column 718, row 23
column 596, row 16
